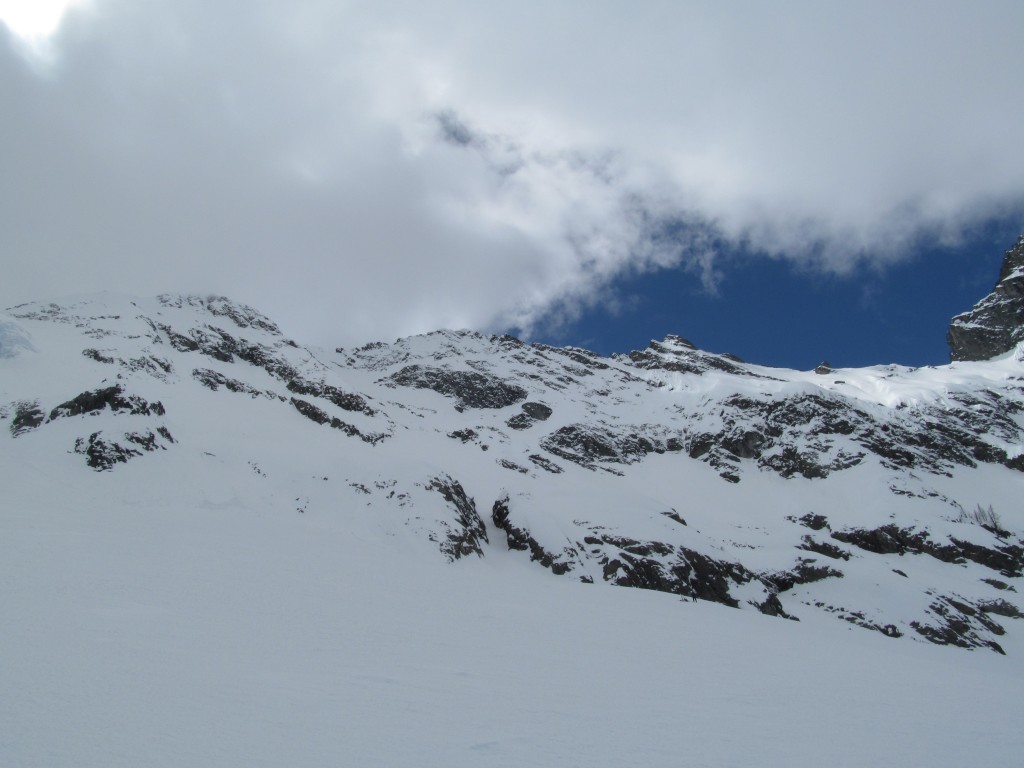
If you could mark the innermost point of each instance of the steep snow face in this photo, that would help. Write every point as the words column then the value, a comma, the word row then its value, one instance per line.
column 860, row 494
column 996, row 323
column 14, row 339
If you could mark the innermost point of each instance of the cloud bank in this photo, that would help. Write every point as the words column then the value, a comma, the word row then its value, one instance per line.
column 363, row 170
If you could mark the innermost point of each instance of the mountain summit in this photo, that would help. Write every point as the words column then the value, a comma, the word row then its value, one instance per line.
column 996, row 323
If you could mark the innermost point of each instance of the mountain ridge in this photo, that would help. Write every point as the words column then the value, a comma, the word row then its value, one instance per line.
column 995, row 325
column 669, row 469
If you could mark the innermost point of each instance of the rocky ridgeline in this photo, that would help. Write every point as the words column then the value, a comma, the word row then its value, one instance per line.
column 531, row 429
column 996, row 324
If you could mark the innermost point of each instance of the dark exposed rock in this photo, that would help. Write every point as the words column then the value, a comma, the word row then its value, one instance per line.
column 708, row 578
column 214, row 380
column 790, row 436
column 473, row 389
column 810, row 544
column 465, row 537
column 772, row 606
column 804, row 572
column 102, row 454
column 883, row 541
column 521, row 540
column 264, row 357
column 956, row 622
column 674, row 516
column 220, row 345
column 95, row 354
column 520, row 421
column 532, row 413
column 313, row 413
column 465, row 435
column 678, row 355
column 241, row 315
column 890, row 539
column 996, row 323
column 679, row 570
column 801, row 435
column 537, row 411
column 1001, row 607
column 108, row 397
column 344, row 400
column 513, row 466
column 1008, row 559
column 545, row 464
column 27, row 415
column 813, row 521
column 999, row 584
column 585, row 445
column 586, row 362
column 151, row 364
column 859, row 619
column 823, row 368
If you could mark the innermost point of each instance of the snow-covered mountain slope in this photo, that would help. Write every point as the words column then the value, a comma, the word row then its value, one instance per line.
column 886, row 497
column 223, row 547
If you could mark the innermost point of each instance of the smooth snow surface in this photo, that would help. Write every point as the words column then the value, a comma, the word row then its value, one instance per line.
column 140, row 633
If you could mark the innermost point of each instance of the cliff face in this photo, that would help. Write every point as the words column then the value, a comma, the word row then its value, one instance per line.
column 996, row 323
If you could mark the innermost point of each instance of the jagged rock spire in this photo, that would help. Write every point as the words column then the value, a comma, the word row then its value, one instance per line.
column 996, row 323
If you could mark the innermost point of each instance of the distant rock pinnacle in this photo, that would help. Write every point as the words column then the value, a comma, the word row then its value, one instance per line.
column 996, row 324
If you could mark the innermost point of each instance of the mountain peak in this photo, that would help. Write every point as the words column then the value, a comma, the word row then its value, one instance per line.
column 996, row 323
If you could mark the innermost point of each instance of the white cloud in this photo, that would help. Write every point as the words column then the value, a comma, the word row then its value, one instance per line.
column 360, row 170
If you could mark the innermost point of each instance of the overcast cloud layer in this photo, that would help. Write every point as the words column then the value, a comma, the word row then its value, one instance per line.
column 368, row 170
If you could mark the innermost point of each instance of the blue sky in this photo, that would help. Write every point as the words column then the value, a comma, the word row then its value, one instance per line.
column 771, row 312
column 759, row 177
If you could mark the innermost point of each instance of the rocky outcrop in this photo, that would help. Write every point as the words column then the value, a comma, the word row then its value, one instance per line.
column 532, row 413
column 589, row 445
column 472, row 389
column 214, row 381
column 241, row 315
column 221, row 345
column 996, row 323
column 959, row 622
column 520, row 539
column 814, row 435
column 467, row 535
column 319, row 416
column 108, row 397
column 345, row 400
column 1004, row 557
column 27, row 416
column 679, row 355
column 102, row 453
